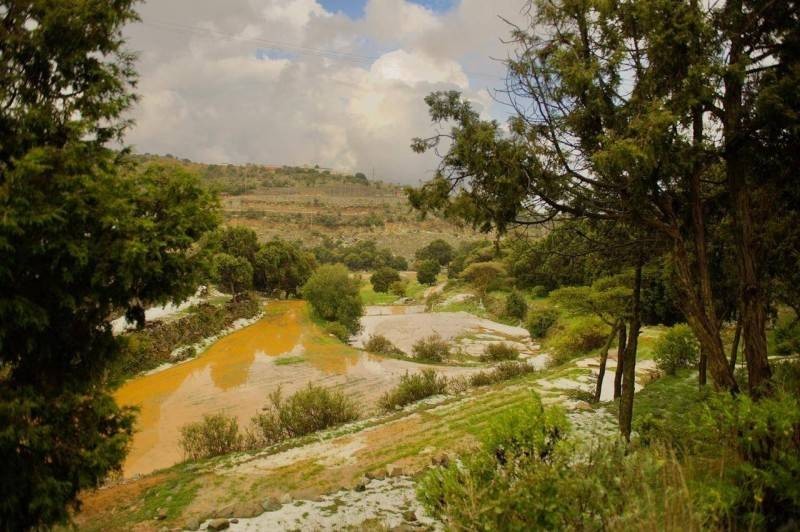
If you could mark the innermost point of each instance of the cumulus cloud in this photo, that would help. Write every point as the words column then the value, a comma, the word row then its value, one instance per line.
column 325, row 89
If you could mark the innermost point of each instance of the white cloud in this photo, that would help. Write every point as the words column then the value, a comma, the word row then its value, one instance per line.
column 206, row 96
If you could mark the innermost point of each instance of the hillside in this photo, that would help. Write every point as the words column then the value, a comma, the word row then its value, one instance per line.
column 311, row 204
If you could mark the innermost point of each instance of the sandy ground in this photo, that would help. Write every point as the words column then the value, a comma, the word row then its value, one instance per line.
column 465, row 330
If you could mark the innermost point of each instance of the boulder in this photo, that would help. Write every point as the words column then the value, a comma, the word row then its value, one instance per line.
column 218, row 524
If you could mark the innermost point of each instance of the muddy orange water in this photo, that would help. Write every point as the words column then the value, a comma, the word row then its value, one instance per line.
column 236, row 374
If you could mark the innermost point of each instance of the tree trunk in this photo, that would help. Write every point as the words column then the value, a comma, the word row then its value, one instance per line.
column 736, row 336
column 621, row 343
column 603, row 360
column 702, row 368
column 629, row 371
column 754, row 304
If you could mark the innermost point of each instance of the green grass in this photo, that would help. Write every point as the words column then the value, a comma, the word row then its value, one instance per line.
column 286, row 361
column 371, row 297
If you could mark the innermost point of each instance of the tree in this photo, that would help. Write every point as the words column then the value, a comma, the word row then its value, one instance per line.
column 383, row 278
column 482, row 274
column 233, row 274
column 239, row 242
column 438, row 250
column 516, row 306
column 334, row 296
column 427, row 270
column 82, row 237
column 281, row 265
column 609, row 299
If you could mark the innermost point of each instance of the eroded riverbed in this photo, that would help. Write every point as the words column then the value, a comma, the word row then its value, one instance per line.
column 236, row 374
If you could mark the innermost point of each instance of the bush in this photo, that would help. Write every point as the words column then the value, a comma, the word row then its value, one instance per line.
column 308, row 410
column 213, row 436
column 381, row 345
column 438, row 250
column 399, row 288
column 338, row 330
column 427, row 270
column 677, row 348
column 498, row 352
column 578, row 335
column 540, row 321
column 539, row 291
column 431, row 349
column 516, row 306
column 482, row 275
column 502, row 372
column 334, row 296
column 787, row 337
column 412, row 388
column 383, row 278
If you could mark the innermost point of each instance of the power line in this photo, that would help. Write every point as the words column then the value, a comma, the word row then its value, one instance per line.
column 284, row 46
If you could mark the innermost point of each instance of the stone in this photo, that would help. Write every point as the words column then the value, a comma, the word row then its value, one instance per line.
column 234, row 521
column 361, row 485
column 218, row 524
column 161, row 514
column 247, row 509
column 410, row 515
column 225, row 511
column 192, row 523
column 394, row 471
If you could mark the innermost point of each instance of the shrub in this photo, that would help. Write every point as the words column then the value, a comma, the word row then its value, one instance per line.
column 787, row 337
column 483, row 274
column 677, row 348
column 516, row 306
column 308, row 410
column 500, row 351
column 502, row 372
column 378, row 343
column 334, row 296
column 539, row 291
column 338, row 330
column 540, row 321
column 427, row 270
column 578, row 335
column 213, row 436
column 438, row 250
column 383, row 278
column 412, row 388
column 431, row 349
column 398, row 288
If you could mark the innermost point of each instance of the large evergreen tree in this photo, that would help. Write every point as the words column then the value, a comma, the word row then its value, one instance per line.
column 81, row 237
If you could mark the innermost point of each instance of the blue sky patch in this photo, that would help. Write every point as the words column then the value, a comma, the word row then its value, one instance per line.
column 355, row 8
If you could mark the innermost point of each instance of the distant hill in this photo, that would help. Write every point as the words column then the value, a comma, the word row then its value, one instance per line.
column 309, row 204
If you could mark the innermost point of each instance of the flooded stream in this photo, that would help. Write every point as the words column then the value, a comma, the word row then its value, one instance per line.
column 236, row 374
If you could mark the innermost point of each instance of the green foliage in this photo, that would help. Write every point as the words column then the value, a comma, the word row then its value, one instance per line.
column 607, row 298
column 482, row 275
column 306, row 411
column 338, row 330
column 498, row 352
column 399, row 288
column 232, row 274
column 502, row 372
column 676, row 348
column 282, row 266
column 438, row 250
column 466, row 254
column 82, row 237
column 412, row 388
column 215, row 435
column 334, row 296
column 383, row 278
column 516, row 306
column 145, row 349
column 381, row 345
column 238, row 241
column 540, row 321
column 431, row 349
column 577, row 335
column 787, row 337
column 363, row 255
column 427, row 270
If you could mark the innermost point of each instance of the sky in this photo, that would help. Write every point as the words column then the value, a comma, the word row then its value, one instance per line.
column 338, row 83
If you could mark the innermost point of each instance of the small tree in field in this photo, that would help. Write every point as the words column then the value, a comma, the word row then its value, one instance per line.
column 438, row 250
column 482, row 274
column 334, row 295
column 427, row 270
column 233, row 274
column 383, row 278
